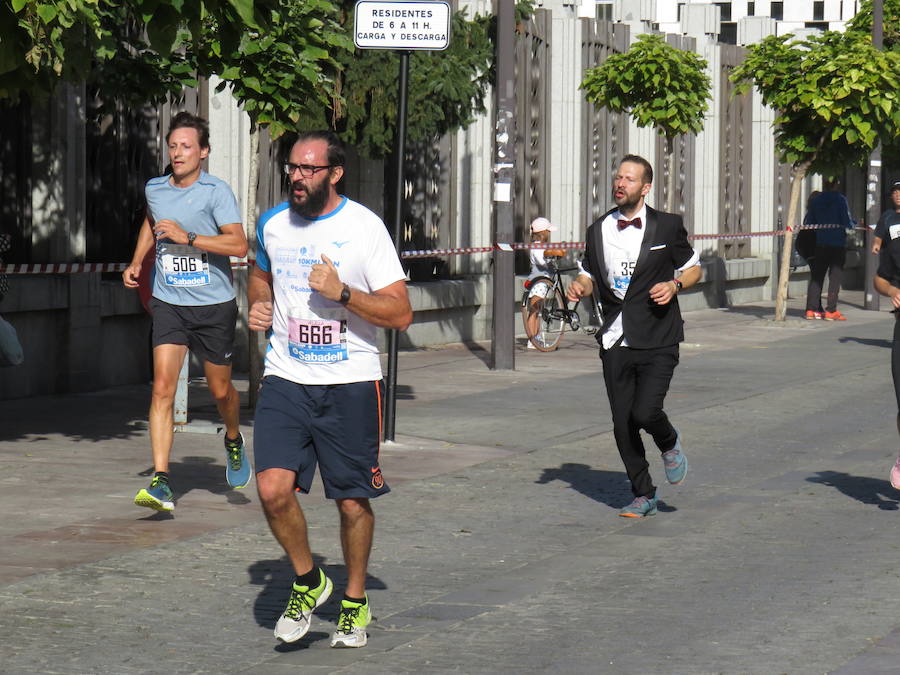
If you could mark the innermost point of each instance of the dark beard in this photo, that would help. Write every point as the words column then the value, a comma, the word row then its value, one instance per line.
column 315, row 200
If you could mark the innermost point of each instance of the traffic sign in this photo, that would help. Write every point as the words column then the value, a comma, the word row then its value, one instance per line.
column 401, row 25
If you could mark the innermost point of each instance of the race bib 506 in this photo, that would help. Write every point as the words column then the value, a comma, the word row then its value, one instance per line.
column 184, row 265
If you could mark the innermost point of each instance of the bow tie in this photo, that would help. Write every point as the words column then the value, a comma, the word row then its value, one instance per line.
column 625, row 223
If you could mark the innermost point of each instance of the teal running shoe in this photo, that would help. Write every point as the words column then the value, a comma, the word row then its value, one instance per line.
column 237, row 468
column 352, row 622
column 676, row 463
column 640, row 507
column 295, row 621
column 158, row 496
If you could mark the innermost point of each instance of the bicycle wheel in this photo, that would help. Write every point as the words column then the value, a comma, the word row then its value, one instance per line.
column 543, row 313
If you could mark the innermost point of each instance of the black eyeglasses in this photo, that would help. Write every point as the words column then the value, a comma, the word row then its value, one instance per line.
column 306, row 170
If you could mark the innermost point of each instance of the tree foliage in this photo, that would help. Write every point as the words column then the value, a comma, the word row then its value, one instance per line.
column 657, row 84
column 835, row 98
column 287, row 71
column 862, row 22
column 835, row 95
column 45, row 41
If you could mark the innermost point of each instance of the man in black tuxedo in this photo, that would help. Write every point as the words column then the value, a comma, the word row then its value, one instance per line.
column 637, row 259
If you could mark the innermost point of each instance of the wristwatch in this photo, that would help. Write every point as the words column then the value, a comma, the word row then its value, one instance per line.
column 191, row 237
column 345, row 295
column 678, row 285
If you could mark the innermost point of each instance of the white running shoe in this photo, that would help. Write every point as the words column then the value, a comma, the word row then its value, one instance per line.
column 295, row 621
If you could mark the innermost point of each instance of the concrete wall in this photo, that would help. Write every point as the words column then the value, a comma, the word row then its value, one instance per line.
column 79, row 333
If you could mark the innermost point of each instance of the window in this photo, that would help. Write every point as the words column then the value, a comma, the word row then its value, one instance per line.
column 777, row 11
column 818, row 11
column 818, row 25
column 728, row 32
column 751, row 9
column 725, row 8
column 604, row 11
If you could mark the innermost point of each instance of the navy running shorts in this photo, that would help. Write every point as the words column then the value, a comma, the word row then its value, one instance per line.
column 207, row 330
column 334, row 426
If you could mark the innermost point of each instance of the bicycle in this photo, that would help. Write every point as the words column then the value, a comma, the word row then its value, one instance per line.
column 545, row 310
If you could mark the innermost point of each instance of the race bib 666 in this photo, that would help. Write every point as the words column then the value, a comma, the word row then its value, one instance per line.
column 317, row 338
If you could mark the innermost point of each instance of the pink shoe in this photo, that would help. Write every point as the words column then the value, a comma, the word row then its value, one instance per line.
column 895, row 474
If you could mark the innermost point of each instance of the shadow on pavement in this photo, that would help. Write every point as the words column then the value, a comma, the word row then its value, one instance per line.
column 861, row 488
column 608, row 487
column 484, row 355
column 869, row 342
column 758, row 311
column 96, row 416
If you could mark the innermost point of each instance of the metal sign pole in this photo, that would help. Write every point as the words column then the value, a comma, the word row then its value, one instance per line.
column 871, row 298
column 401, row 25
column 390, row 403
column 502, row 333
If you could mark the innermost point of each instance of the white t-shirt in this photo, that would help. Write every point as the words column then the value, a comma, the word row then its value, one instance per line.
column 540, row 267
column 315, row 340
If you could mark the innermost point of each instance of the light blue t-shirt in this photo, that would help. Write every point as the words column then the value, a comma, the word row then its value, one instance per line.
column 186, row 275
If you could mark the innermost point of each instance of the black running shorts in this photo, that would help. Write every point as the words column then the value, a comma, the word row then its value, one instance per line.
column 208, row 330
column 334, row 426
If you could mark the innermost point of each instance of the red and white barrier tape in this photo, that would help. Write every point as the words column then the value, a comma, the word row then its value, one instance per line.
column 406, row 255
column 73, row 268
column 62, row 268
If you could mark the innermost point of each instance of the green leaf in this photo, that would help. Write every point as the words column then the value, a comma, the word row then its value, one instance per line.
column 244, row 9
column 47, row 13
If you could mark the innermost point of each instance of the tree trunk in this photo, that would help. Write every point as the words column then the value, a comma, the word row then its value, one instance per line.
column 797, row 175
column 670, row 175
column 255, row 341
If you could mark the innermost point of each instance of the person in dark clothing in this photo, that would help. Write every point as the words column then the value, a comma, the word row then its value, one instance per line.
column 637, row 260
column 828, row 208
column 888, row 218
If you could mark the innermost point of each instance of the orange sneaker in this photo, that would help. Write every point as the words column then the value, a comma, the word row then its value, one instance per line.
column 811, row 315
column 835, row 316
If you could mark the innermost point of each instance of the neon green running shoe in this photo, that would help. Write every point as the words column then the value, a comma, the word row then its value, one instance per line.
column 295, row 621
column 352, row 622
column 158, row 496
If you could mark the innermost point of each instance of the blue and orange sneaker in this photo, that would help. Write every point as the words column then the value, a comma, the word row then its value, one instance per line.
column 676, row 463
column 640, row 507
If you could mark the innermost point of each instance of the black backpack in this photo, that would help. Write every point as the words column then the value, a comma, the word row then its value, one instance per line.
column 806, row 243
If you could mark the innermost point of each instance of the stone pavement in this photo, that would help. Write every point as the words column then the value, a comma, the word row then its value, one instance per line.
column 499, row 550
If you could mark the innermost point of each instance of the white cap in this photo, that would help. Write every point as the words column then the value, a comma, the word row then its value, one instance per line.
column 541, row 224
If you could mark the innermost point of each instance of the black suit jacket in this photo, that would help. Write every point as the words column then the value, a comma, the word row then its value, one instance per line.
column 664, row 249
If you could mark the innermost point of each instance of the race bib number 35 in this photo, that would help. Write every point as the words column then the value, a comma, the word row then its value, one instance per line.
column 184, row 266
column 622, row 271
column 317, row 340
